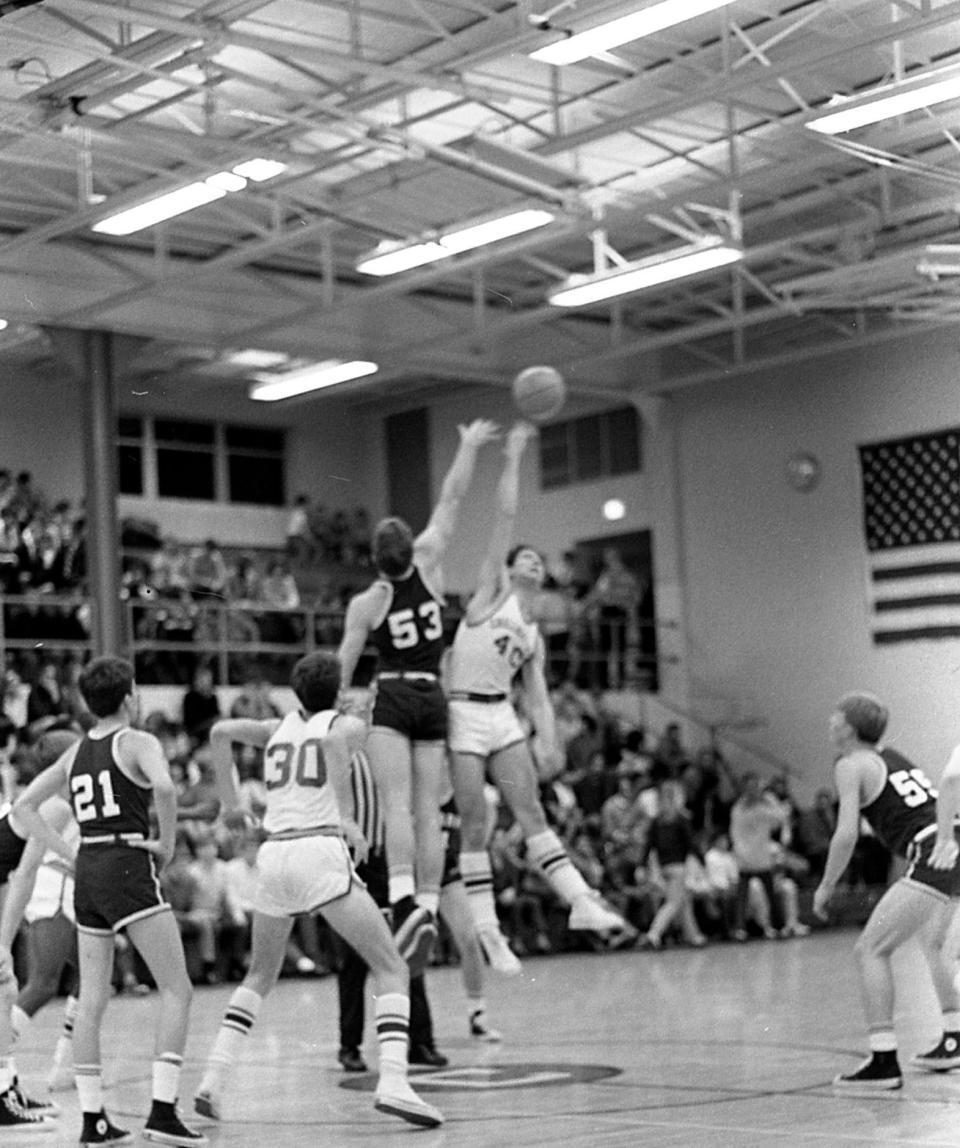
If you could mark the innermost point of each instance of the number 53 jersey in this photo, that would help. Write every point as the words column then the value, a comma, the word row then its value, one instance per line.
column 906, row 805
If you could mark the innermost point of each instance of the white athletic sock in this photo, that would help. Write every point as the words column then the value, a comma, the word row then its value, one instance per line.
column 8, row 1071
column 883, row 1040
column 89, row 1079
column 393, row 1033
column 546, row 851
column 400, row 884
column 951, row 1020
column 237, row 1022
column 428, row 901
column 19, row 1022
column 166, row 1077
column 478, row 881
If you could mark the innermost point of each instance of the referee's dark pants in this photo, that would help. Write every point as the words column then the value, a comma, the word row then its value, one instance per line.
column 352, row 972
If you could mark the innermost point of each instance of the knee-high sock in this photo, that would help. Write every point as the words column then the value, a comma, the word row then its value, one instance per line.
column 546, row 851
column 89, row 1079
column 478, row 881
column 393, row 1033
column 237, row 1022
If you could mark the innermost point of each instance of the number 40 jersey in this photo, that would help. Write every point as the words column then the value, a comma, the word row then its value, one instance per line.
column 906, row 804
column 486, row 654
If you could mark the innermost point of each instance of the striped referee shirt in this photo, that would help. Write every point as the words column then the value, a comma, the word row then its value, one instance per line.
column 366, row 803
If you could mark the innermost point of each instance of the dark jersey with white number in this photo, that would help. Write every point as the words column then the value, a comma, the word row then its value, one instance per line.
column 410, row 637
column 104, row 799
column 906, row 804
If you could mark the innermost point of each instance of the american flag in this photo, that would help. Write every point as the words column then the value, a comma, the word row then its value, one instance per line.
column 911, row 522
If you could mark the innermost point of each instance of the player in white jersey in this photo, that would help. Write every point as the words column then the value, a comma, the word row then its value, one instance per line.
column 497, row 639
column 305, row 867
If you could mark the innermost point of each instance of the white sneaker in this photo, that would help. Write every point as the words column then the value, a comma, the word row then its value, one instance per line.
column 499, row 955
column 480, row 1030
column 207, row 1104
column 590, row 915
column 397, row 1098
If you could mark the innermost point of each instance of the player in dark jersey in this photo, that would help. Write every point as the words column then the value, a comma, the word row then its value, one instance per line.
column 916, row 823
column 109, row 776
column 401, row 615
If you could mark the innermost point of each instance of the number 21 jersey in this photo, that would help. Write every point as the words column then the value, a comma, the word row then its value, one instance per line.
column 295, row 775
column 105, row 801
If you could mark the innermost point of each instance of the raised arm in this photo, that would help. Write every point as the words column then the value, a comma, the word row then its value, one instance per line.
column 508, row 489
column 430, row 545
column 25, row 816
column 222, row 736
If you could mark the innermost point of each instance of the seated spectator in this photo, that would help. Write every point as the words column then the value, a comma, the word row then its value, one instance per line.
column 670, row 757
column 169, row 570
column 244, row 583
column 199, row 803
column 216, row 912
column 9, row 552
column 278, row 590
column 45, row 703
column 201, row 708
column 300, row 546
column 15, row 695
column 755, row 821
column 594, row 786
column 254, row 701
column 26, row 501
column 723, row 875
column 207, row 572
column 358, row 546
column 625, row 824
column 815, row 827
column 671, row 842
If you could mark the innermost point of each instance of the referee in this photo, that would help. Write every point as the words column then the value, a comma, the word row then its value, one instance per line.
column 351, row 968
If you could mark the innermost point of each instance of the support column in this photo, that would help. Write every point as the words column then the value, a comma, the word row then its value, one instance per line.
column 98, row 401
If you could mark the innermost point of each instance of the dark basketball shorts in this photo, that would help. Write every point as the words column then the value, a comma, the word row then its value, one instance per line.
column 943, row 881
column 415, row 708
column 11, row 850
column 116, row 885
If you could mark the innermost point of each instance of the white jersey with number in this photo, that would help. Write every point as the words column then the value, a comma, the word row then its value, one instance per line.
column 295, row 775
column 486, row 654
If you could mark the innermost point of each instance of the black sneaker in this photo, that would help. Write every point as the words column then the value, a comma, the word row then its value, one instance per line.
column 97, row 1129
column 876, row 1074
column 164, row 1126
column 31, row 1104
column 351, row 1060
column 943, row 1058
column 428, row 1055
column 415, row 931
column 15, row 1118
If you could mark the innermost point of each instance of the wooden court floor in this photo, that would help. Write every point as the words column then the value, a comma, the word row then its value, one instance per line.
column 727, row 1047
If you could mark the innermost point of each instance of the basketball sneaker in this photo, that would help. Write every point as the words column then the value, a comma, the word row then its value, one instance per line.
column 427, row 1055
column 30, row 1104
column 97, row 1129
column 480, row 1030
column 15, row 1118
column 589, row 914
column 496, row 949
column 351, row 1060
column 415, row 931
column 164, row 1126
column 943, row 1058
column 206, row 1104
column 880, row 1072
column 397, row 1098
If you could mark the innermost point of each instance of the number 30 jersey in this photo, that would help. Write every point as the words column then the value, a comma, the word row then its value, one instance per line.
column 295, row 775
column 906, row 804
column 410, row 637
column 103, row 798
column 486, row 654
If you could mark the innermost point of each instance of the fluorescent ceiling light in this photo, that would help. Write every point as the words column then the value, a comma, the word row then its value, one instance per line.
column 188, row 198
column 4, row 324
column 581, row 290
column 260, row 169
column 886, row 102
column 646, row 22
column 940, row 259
column 313, row 378
column 259, row 360
column 389, row 259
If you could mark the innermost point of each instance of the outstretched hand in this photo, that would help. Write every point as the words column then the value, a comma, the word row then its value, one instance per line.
column 478, row 432
column 821, row 901
column 944, row 854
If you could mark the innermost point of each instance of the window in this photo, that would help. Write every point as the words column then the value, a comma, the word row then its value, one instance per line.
column 186, row 464
column 593, row 446
column 203, row 461
column 255, row 471
column 130, row 456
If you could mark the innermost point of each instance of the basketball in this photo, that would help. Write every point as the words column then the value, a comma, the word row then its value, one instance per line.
column 539, row 392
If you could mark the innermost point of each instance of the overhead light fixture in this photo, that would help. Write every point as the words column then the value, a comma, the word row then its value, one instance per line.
column 255, row 359
column 188, row 198
column 4, row 324
column 272, row 388
column 392, row 258
column 624, row 30
column 940, row 259
column 706, row 255
column 887, row 102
